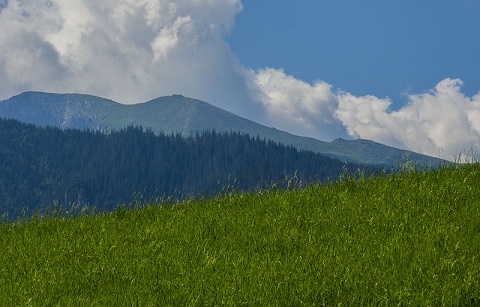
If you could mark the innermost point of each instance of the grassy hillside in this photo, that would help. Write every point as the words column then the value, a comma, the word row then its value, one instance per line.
column 404, row 239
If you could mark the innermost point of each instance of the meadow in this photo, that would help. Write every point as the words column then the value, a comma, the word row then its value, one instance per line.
column 410, row 238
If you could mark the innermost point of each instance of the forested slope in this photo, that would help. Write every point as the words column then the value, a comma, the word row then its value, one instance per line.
column 43, row 165
column 179, row 114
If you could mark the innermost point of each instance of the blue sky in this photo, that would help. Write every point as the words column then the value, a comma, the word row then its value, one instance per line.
column 375, row 47
column 398, row 72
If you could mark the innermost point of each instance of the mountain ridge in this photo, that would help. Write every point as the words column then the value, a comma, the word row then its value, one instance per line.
column 188, row 116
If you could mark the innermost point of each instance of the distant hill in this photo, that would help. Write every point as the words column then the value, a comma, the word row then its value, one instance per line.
column 187, row 116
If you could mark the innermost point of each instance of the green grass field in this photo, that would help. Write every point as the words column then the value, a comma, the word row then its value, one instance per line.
column 396, row 240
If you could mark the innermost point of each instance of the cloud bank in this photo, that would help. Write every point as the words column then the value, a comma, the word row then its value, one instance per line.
column 441, row 122
column 135, row 50
column 126, row 50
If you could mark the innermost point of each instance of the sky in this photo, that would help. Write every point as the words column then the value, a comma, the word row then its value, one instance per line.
column 401, row 73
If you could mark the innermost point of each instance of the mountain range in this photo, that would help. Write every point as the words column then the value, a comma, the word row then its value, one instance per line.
column 179, row 114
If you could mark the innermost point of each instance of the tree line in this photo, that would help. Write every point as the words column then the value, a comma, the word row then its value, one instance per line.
column 40, row 166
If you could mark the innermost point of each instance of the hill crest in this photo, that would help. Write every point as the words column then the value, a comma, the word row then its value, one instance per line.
column 188, row 116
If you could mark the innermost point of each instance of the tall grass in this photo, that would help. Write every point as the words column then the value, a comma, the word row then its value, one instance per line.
column 401, row 239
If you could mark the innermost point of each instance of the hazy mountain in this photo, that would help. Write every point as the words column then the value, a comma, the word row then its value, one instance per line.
column 187, row 116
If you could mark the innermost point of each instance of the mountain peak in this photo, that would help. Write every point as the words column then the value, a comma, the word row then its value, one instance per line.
column 188, row 116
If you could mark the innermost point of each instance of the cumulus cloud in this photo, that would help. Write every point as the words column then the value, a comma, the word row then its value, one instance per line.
column 296, row 106
column 441, row 122
column 127, row 50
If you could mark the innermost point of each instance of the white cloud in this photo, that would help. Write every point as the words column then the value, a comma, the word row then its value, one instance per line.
column 74, row 22
column 127, row 50
column 441, row 122
column 296, row 106
column 168, row 39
